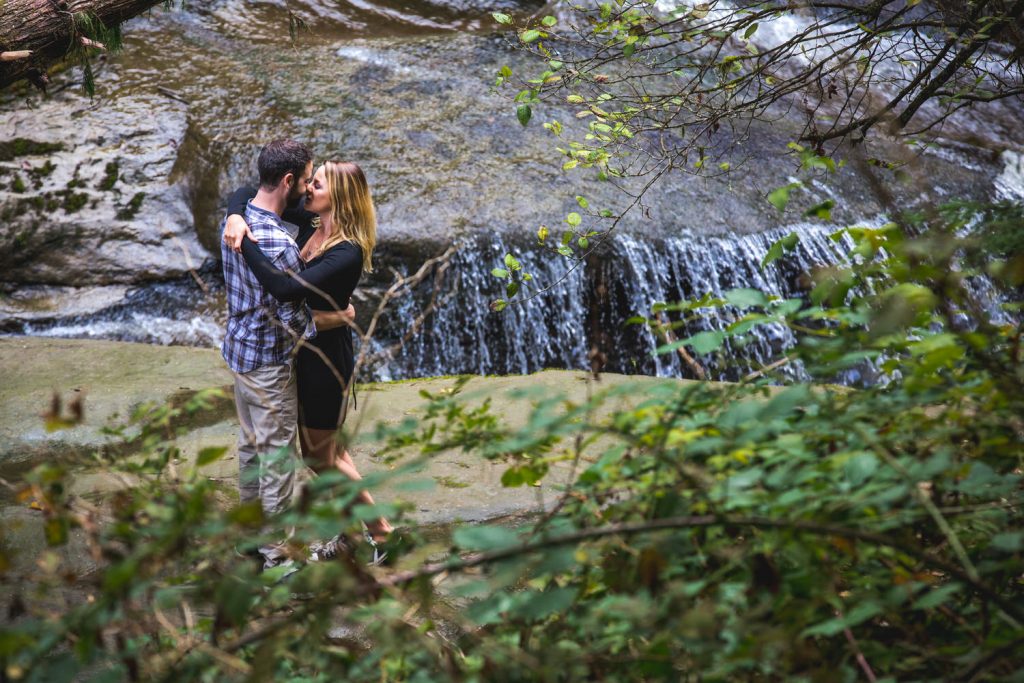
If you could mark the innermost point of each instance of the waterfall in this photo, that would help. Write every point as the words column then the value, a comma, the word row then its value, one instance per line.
column 587, row 307
column 465, row 336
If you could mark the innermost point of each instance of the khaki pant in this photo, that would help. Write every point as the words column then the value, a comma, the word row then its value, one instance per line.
column 267, row 406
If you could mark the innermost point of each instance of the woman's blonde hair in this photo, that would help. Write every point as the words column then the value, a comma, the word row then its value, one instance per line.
column 353, row 218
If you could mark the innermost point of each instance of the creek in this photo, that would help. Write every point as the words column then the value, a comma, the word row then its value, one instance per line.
column 111, row 204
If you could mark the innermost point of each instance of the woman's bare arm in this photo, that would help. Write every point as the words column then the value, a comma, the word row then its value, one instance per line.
column 328, row 320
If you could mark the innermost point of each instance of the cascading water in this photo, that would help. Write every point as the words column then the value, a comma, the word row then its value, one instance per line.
column 465, row 336
column 587, row 307
column 591, row 304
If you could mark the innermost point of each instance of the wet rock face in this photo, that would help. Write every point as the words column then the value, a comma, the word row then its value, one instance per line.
column 85, row 197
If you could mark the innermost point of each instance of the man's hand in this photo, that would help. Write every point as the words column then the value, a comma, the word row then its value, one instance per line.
column 328, row 320
column 235, row 230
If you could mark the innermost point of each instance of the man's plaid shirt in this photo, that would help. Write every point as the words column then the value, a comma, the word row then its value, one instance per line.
column 261, row 330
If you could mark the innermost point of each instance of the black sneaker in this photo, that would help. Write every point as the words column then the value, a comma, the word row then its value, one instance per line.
column 328, row 550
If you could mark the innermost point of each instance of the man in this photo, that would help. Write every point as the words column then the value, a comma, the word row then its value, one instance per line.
column 261, row 337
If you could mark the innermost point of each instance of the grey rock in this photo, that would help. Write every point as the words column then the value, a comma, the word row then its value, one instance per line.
column 102, row 210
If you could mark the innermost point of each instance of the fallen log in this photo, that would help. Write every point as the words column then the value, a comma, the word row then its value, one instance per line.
column 36, row 34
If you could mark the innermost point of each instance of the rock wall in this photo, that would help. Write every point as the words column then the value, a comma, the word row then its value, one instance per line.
column 86, row 196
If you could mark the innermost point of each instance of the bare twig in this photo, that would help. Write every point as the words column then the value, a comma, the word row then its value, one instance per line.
column 862, row 661
column 665, row 329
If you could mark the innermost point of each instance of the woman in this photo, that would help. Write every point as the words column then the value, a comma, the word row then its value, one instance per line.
column 337, row 234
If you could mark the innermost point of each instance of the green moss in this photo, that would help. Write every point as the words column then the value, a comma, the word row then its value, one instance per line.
column 74, row 201
column 19, row 147
column 17, row 185
column 451, row 482
column 75, row 183
column 110, row 176
column 132, row 208
column 38, row 173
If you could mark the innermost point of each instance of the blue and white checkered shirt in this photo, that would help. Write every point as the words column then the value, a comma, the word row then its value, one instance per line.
column 261, row 330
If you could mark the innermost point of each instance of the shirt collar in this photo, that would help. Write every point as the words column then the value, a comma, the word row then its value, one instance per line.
column 263, row 212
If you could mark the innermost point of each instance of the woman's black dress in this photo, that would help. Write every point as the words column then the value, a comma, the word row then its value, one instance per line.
column 325, row 363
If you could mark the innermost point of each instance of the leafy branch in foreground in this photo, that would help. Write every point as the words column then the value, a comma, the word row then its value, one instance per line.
column 702, row 531
column 640, row 89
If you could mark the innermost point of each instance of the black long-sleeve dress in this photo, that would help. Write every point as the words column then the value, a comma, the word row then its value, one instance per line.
column 324, row 364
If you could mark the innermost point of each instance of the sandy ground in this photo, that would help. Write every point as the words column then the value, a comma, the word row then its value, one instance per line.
column 114, row 378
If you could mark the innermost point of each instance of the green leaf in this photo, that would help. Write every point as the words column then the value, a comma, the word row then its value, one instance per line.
column 937, row 596
column 582, row 201
column 56, row 530
column 533, row 606
column 822, row 210
column 248, row 514
column 542, row 233
column 498, row 305
column 787, row 402
column 212, row 454
column 523, row 113
column 549, row 21
column 751, row 30
column 511, row 263
column 505, row 72
column 511, row 289
column 745, row 297
column 499, row 272
column 484, row 537
column 1010, row 541
column 705, row 342
column 501, row 18
column 700, row 11
column 779, row 247
column 860, row 467
column 573, row 219
column 530, row 35
column 779, row 197
column 512, row 478
column 857, row 615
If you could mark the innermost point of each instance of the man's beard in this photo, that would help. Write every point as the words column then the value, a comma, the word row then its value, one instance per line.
column 295, row 200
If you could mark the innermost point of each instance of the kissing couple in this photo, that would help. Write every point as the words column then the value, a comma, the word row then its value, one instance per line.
column 293, row 251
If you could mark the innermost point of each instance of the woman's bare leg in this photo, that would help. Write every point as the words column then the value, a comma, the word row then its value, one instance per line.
column 380, row 527
column 317, row 448
column 320, row 450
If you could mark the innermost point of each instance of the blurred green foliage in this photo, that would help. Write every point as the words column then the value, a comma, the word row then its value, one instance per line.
column 748, row 531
